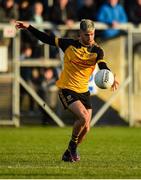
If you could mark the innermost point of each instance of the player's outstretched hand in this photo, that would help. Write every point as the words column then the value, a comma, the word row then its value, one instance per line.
column 115, row 84
column 21, row 25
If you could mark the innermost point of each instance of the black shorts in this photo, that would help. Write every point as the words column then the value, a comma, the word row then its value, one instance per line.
column 67, row 97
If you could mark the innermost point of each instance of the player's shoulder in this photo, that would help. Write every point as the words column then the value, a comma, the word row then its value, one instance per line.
column 64, row 43
column 98, row 47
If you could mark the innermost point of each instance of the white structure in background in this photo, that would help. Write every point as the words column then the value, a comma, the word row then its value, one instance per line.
column 8, row 32
column 3, row 59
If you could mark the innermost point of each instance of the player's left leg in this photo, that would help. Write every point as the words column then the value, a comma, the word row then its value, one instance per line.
column 85, row 130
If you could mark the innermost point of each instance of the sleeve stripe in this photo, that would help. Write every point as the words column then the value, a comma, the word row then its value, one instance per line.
column 101, row 60
column 57, row 41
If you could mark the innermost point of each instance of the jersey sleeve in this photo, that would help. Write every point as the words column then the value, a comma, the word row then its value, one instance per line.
column 51, row 39
column 64, row 43
column 102, row 64
column 42, row 36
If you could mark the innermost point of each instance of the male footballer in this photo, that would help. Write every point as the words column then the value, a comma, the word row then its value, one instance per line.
column 80, row 58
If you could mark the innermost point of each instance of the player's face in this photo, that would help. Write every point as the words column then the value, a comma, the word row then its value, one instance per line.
column 87, row 37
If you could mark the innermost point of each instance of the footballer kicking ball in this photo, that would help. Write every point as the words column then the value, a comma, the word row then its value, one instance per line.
column 104, row 79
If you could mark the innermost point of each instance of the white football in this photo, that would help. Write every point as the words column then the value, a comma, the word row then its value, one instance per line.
column 104, row 79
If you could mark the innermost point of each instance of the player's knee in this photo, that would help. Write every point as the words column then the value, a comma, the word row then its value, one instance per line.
column 85, row 118
column 87, row 126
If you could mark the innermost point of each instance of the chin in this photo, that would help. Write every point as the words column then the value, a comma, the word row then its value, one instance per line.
column 88, row 43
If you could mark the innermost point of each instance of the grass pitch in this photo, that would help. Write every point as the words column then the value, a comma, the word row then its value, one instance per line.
column 35, row 152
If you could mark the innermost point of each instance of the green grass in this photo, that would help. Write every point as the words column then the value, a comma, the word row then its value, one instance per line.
column 35, row 152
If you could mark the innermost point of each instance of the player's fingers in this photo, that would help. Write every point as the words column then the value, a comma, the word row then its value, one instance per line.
column 18, row 26
column 113, row 88
column 18, row 22
column 115, row 85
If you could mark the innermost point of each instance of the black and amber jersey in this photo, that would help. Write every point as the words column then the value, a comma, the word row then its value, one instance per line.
column 79, row 60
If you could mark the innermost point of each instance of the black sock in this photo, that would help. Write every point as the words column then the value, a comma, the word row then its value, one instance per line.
column 73, row 144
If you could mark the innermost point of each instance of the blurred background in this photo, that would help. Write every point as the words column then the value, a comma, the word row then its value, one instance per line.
column 29, row 68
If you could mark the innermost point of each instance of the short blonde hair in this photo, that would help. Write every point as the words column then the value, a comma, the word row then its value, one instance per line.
column 87, row 25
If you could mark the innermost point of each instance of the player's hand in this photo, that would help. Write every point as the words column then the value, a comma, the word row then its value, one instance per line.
column 21, row 25
column 115, row 84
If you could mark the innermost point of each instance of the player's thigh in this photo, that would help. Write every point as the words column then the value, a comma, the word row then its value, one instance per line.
column 79, row 110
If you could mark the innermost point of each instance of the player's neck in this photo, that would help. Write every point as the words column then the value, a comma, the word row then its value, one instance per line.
column 87, row 45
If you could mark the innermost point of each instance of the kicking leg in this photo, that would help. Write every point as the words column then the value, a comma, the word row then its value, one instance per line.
column 83, row 117
column 86, row 129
